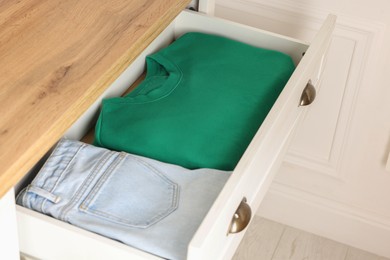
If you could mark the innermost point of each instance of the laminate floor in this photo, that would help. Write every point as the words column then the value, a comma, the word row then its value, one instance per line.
column 268, row 240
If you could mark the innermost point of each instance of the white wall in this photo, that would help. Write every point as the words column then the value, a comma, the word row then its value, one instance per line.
column 333, row 181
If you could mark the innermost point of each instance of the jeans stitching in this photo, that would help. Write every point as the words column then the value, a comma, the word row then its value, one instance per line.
column 174, row 186
column 84, row 186
column 174, row 192
column 43, row 173
column 61, row 175
column 100, row 182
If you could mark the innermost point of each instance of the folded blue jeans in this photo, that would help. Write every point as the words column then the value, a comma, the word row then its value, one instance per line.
column 150, row 205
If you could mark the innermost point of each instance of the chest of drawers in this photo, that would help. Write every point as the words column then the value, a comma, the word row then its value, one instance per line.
column 218, row 236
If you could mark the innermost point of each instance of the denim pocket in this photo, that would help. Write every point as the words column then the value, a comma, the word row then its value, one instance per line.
column 132, row 193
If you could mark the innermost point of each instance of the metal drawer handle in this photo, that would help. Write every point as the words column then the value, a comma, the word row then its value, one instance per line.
column 241, row 218
column 308, row 94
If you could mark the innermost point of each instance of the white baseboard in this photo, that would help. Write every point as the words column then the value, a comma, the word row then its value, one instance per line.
column 327, row 218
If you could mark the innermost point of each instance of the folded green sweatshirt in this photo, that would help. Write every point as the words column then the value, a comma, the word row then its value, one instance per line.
column 202, row 101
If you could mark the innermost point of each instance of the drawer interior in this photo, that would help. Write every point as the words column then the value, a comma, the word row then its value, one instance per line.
column 81, row 130
column 187, row 21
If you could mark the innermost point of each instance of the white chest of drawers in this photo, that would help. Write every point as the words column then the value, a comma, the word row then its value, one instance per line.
column 46, row 238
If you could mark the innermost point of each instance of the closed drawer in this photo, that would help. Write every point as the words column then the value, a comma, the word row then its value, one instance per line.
column 47, row 238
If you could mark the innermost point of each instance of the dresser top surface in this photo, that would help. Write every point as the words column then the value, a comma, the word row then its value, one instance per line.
column 56, row 59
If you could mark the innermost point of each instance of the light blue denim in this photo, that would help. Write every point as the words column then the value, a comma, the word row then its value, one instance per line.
column 150, row 205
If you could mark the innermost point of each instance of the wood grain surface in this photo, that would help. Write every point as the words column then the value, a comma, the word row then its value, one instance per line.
column 56, row 58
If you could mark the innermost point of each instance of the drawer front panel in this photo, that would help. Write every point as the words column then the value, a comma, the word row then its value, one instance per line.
column 47, row 238
column 255, row 171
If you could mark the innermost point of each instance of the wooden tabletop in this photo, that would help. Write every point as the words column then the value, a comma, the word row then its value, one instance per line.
column 56, row 59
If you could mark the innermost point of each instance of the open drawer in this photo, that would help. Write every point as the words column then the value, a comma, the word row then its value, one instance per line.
column 46, row 238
